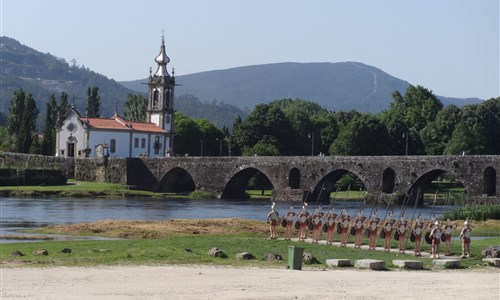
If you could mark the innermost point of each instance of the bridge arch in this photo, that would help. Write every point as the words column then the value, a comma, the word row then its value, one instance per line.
column 419, row 186
column 388, row 181
column 294, row 178
column 236, row 186
column 489, row 181
column 176, row 180
column 328, row 184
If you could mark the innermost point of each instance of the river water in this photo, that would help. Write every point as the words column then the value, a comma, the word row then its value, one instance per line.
column 18, row 214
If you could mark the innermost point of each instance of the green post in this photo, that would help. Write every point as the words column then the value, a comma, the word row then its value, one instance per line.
column 295, row 255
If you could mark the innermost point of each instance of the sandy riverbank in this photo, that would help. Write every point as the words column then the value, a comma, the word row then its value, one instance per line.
column 206, row 282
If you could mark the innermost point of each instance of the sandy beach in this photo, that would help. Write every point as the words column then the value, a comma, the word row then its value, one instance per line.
column 208, row 282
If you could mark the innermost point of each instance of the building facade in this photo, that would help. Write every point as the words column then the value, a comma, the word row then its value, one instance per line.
column 116, row 137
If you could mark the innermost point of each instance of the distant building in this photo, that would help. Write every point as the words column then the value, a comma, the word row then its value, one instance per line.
column 116, row 137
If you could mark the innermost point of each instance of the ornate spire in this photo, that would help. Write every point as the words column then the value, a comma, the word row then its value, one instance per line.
column 162, row 60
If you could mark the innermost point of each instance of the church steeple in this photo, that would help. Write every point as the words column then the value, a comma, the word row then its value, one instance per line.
column 161, row 97
column 162, row 60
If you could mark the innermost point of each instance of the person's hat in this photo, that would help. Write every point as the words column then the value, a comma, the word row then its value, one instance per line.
column 436, row 223
column 466, row 222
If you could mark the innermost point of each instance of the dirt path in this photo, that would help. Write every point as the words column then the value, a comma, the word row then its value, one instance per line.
column 205, row 282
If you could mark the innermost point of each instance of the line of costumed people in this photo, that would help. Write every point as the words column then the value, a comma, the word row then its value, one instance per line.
column 372, row 227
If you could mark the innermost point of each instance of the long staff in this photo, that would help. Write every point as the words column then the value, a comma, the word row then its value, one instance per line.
column 414, row 209
column 427, row 234
column 319, row 194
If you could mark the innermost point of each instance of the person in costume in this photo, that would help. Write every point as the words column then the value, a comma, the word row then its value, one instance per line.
column 303, row 222
column 465, row 237
column 436, row 233
column 372, row 231
column 417, row 235
column 448, row 229
column 358, row 229
column 289, row 223
column 316, row 221
column 401, row 227
column 387, row 229
column 345, row 219
column 273, row 220
column 331, row 221
column 431, row 224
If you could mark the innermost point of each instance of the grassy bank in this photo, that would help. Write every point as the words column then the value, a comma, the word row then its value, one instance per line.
column 188, row 241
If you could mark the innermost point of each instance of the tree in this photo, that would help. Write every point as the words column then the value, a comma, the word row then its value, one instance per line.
column 49, row 136
column 365, row 135
column 265, row 120
column 187, row 135
column 62, row 109
column 135, row 108
column 21, row 121
column 467, row 139
column 420, row 107
column 436, row 134
column 93, row 102
column 262, row 148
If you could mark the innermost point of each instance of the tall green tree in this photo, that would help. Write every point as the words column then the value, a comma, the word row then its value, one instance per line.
column 135, row 108
column 436, row 134
column 93, row 102
column 21, row 121
column 365, row 135
column 62, row 109
column 49, row 136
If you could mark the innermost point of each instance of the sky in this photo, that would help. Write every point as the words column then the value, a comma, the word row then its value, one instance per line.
column 448, row 46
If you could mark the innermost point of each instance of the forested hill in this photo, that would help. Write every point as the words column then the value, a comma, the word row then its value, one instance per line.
column 43, row 74
column 335, row 86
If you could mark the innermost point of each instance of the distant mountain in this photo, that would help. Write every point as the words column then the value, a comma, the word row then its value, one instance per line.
column 335, row 86
column 43, row 74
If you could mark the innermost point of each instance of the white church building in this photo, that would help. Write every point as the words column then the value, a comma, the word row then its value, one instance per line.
column 116, row 137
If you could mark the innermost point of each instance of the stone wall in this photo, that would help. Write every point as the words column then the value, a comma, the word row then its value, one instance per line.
column 111, row 170
column 29, row 161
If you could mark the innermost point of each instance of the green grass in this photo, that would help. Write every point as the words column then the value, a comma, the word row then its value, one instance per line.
column 172, row 251
column 79, row 189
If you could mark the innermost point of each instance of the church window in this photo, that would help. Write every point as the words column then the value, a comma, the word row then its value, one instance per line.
column 143, row 143
column 155, row 99
column 112, row 146
column 136, row 143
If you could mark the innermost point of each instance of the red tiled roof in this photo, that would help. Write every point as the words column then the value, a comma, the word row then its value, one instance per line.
column 118, row 123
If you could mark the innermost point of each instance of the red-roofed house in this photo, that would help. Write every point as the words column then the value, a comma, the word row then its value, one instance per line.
column 89, row 137
column 86, row 137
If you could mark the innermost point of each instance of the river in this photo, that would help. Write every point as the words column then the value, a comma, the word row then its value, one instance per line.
column 17, row 214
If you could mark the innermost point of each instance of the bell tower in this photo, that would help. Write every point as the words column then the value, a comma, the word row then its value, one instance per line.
column 161, row 99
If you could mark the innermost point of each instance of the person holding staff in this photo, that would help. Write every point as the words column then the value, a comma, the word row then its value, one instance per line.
column 401, row 233
column 448, row 229
column 358, row 229
column 436, row 233
column 273, row 220
column 316, row 221
column 345, row 219
column 303, row 222
column 331, row 221
column 417, row 236
column 387, row 232
column 465, row 237
column 289, row 223
column 372, row 231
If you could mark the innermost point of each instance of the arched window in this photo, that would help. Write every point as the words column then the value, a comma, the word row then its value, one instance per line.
column 388, row 181
column 294, row 178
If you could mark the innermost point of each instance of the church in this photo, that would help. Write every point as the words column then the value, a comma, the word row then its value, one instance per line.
column 116, row 137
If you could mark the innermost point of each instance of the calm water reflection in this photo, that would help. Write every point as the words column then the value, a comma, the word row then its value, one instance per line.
column 25, row 213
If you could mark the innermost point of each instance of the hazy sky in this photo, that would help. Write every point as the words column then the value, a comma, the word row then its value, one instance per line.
column 448, row 46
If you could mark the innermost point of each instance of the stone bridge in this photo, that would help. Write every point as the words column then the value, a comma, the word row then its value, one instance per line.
column 311, row 177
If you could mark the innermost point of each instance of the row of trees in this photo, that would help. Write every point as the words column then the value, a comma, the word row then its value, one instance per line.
column 416, row 123
column 20, row 133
